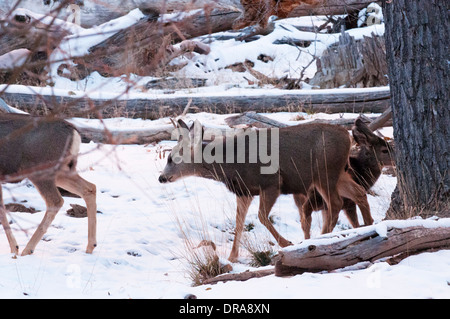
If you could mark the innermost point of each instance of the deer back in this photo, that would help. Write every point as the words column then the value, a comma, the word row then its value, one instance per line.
column 309, row 153
column 28, row 143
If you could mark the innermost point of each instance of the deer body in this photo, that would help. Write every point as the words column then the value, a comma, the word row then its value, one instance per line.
column 365, row 167
column 310, row 155
column 44, row 151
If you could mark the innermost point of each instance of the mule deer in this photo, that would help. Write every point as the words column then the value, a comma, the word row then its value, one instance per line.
column 310, row 155
column 44, row 151
column 365, row 167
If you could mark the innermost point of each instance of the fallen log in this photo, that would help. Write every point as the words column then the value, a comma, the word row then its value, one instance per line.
column 145, row 47
column 141, row 48
column 94, row 12
column 141, row 136
column 258, row 12
column 369, row 243
column 253, row 119
column 328, row 101
column 384, row 119
column 243, row 276
column 330, row 7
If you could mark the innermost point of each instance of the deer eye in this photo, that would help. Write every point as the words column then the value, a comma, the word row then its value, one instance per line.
column 169, row 159
column 385, row 151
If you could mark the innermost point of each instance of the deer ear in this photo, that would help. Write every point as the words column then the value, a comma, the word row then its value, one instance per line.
column 197, row 131
column 362, row 134
column 182, row 124
column 183, row 130
column 197, row 135
column 360, row 138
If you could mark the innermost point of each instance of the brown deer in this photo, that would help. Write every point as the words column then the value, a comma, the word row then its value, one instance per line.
column 309, row 155
column 365, row 167
column 45, row 151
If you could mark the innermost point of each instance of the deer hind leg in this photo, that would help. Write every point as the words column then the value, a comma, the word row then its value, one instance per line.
column 74, row 183
column 243, row 203
column 267, row 199
column 348, row 188
column 4, row 221
column 305, row 210
column 334, row 206
column 350, row 212
column 53, row 201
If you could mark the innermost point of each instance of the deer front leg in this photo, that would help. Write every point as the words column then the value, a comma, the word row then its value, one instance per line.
column 54, row 202
column 267, row 199
column 243, row 203
column 4, row 221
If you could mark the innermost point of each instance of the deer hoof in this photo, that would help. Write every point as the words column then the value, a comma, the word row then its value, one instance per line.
column 90, row 248
column 285, row 243
column 15, row 250
column 27, row 252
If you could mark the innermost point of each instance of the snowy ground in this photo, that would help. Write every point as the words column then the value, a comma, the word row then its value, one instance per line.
column 142, row 231
column 144, row 226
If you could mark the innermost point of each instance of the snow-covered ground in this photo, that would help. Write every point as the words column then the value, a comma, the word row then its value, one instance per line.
column 144, row 227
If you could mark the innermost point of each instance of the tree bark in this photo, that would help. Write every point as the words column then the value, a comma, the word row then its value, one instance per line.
column 417, row 45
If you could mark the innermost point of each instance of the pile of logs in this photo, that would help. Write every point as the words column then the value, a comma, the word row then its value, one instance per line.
column 147, row 46
column 142, row 48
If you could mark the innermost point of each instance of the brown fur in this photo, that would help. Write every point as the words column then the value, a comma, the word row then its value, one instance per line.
column 310, row 156
column 365, row 168
column 44, row 151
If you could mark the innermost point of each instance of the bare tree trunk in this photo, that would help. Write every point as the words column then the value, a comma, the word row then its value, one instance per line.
column 417, row 45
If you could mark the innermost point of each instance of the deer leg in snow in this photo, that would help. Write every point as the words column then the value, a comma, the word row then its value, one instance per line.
column 53, row 201
column 79, row 186
column 243, row 203
column 4, row 221
column 267, row 199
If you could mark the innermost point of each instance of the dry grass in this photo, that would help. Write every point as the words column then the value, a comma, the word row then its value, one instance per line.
column 259, row 247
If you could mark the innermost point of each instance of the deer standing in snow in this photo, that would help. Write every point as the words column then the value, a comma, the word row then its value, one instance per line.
column 365, row 167
column 302, row 157
column 45, row 151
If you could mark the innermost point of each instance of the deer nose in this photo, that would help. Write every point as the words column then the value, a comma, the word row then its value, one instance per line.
column 162, row 179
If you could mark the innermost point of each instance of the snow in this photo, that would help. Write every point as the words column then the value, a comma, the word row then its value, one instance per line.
column 13, row 59
column 145, row 228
